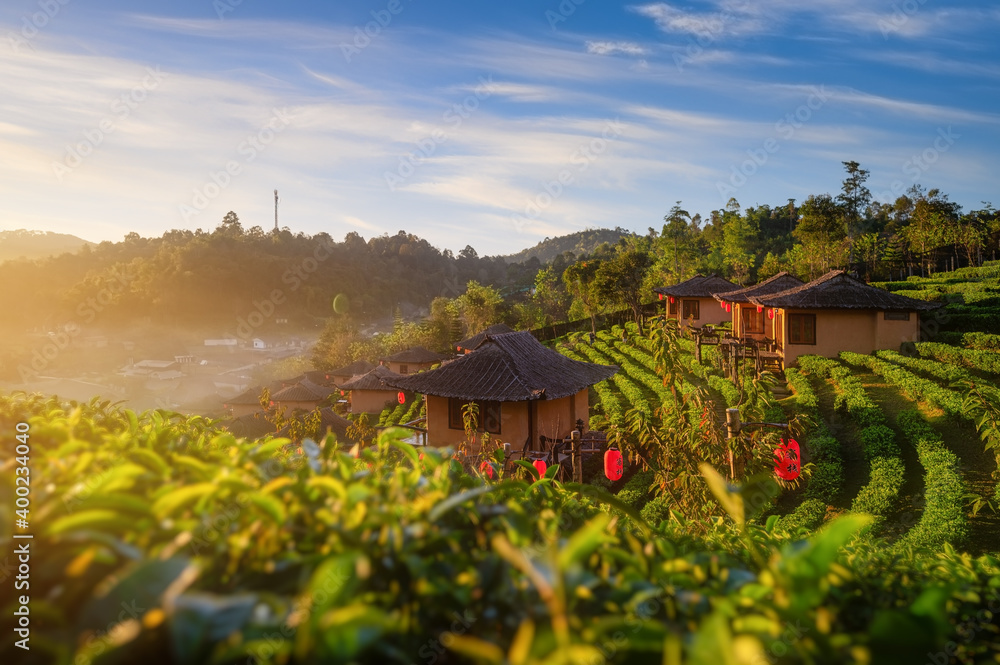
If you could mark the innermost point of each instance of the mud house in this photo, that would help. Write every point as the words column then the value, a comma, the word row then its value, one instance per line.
column 342, row 375
column 752, row 320
column 372, row 391
column 523, row 390
column 837, row 312
column 692, row 302
column 412, row 360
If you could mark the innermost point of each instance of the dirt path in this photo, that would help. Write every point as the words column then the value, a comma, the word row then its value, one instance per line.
column 846, row 433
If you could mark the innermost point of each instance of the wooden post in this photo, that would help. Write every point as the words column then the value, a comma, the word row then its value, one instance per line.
column 574, row 438
column 733, row 422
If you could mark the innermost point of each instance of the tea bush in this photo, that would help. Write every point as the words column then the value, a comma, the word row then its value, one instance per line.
column 160, row 539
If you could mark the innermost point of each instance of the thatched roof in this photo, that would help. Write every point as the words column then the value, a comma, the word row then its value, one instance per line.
column 477, row 339
column 373, row 380
column 838, row 290
column 354, row 369
column 511, row 367
column 250, row 426
column 783, row 281
column 417, row 355
column 699, row 286
column 304, row 391
column 248, row 397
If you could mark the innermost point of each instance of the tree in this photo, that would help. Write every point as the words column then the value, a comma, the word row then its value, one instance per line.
column 619, row 281
column 821, row 232
column 482, row 306
column 675, row 228
column 549, row 296
column 738, row 235
column 579, row 280
column 854, row 198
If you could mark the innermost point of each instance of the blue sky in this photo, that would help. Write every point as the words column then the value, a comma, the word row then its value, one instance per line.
column 493, row 124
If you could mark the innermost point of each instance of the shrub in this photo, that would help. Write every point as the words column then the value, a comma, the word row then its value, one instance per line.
column 807, row 516
column 881, row 495
column 878, row 441
column 637, row 492
column 943, row 520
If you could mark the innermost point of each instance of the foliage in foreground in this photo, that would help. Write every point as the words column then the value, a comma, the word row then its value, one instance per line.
column 224, row 551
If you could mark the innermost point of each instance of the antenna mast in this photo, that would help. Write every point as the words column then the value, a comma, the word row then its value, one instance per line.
column 275, row 210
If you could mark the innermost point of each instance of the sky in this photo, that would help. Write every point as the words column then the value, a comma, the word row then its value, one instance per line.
column 491, row 124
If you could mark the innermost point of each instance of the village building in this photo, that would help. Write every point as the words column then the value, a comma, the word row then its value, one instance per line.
column 302, row 396
column 692, row 302
column 412, row 360
column 523, row 390
column 342, row 375
column 837, row 312
column 754, row 321
column 244, row 404
column 470, row 343
column 371, row 392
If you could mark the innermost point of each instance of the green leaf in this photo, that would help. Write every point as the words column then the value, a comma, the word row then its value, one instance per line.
column 270, row 505
column 110, row 520
column 174, row 500
column 458, row 499
column 525, row 464
column 477, row 650
column 728, row 497
column 586, row 539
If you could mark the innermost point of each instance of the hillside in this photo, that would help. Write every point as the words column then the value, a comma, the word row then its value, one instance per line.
column 581, row 242
column 22, row 243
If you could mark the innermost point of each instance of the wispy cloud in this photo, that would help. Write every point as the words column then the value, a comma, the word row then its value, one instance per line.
column 614, row 48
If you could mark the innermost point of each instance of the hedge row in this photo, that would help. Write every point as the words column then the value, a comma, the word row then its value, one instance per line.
column 827, row 479
column 804, row 519
column 881, row 494
column 942, row 371
column 984, row 361
column 636, row 492
column 908, row 382
column 943, row 520
column 610, row 404
column 851, row 393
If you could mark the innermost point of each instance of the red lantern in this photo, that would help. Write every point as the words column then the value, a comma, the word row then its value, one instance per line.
column 540, row 466
column 770, row 313
column 341, row 393
column 672, row 300
column 401, row 397
column 614, row 465
column 661, row 296
column 759, row 309
column 722, row 304
column 487, row 468
column 729, row 307
column 787, row 463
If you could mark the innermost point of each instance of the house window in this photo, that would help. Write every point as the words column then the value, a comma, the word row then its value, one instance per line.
column 753, row 321
column 489, row 415
column 896, row 316
column 801, row 328
column 403, row 369
column 672, row 306
column 692, row 309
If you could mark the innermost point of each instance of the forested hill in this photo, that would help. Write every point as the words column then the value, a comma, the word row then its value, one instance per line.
column 208, row 280
column 37, row 244
column 581, row 242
